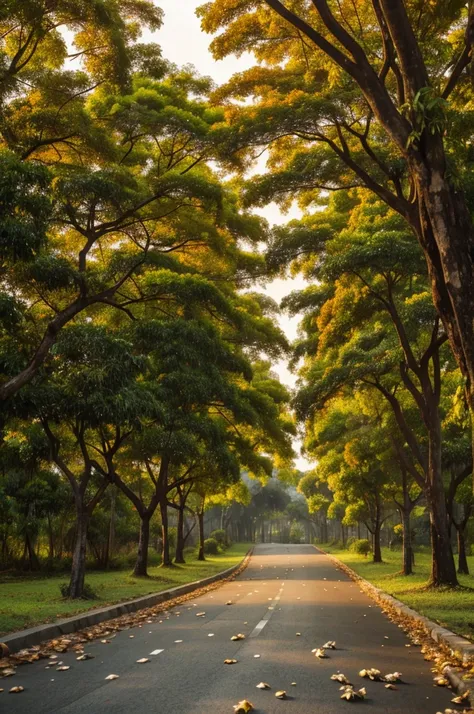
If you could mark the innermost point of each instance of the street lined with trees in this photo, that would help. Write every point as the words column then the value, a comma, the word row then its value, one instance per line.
column 143, row 422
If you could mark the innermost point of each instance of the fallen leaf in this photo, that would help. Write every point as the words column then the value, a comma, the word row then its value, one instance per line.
column 243, row 707
column 256, row 656
column 374, row 674
column 263, row 685
column 281, row 694
column 229, row 602
column 331, row 645
column 339, row 677
column 84, row 657
column 64, row 668
column 4, row 650
column 200, row 614
column 320, row 653
column 230, row 661
column 350, row 694
column 393, row 677
column 110, row 677
column 293, row 684
column 441, row 681
column 143, row 660
column 16, row 690
column 8, row 672
column 461, row 698
column 240, row 636
column 390, row 686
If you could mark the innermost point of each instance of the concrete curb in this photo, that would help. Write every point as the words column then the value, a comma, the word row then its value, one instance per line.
column 459, row 646
column 35, row 635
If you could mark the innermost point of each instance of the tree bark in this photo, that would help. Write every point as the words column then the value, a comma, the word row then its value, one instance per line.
column 141, row 564
column 463, row 567
column 200, row 516
column 377, row 557
column 78, row 569
column 407, row 544
column 165, row 553
column 179, row 555
column 443, row 569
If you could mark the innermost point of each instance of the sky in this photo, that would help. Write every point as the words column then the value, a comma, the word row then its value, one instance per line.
column 183, row 42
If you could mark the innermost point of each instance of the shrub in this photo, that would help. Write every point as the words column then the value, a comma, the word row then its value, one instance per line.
column 220, row 536
column 88, row 592
column 350, row 541
column 211, row 546
column 362, row 547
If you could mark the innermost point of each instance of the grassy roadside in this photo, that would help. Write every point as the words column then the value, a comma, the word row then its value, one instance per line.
column 27, row 601
column 453, row 609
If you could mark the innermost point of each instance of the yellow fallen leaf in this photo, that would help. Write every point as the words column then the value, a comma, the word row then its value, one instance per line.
column 320, row 653
column 110, row 677
column 143, row 660
column 263, row 685
column 243, row 707
column 16, row 690
column 9, row 672
column 230, row 661
column 281, row 694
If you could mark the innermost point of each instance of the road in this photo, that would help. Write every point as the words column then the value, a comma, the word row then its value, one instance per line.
column 285, row 590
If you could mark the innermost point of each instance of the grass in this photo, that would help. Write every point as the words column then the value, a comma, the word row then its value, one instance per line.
column 27, row 601
column 451, row 608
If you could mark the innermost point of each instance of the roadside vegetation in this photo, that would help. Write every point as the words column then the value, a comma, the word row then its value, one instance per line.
column 25, row 602
column 450, row 608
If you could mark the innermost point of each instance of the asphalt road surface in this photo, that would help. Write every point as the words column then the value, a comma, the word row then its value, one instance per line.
column 285, row 590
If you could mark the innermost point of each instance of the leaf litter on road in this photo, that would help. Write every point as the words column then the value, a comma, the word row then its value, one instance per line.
column 350, row 694
column 243, row 707
column 263, row 685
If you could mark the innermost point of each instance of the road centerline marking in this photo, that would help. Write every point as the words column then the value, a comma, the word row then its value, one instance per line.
column 260, row 625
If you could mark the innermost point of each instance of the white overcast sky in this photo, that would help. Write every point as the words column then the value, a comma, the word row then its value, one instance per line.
column 183, row 42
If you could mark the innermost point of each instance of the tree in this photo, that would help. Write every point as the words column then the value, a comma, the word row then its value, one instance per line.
column 375, row 327
column 352, row 94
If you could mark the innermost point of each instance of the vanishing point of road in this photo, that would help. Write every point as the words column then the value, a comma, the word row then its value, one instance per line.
column 285, row 590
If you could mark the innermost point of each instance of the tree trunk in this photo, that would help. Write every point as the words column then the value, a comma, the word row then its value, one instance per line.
column 78, row 569
column 165, row 553
column 377, row 548
column 50, row 540
column 111, row 538
column 407, row 544
column 33, row 562
column 262, row 531
column 443, row 569
column 463, row 567
column 201, row 535
column 179, row 555
column 141, row 565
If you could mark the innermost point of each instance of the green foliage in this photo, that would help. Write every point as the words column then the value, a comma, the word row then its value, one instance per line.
column 220, row 536
column 362, row 547
column 296, row 533
column 211, row 546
